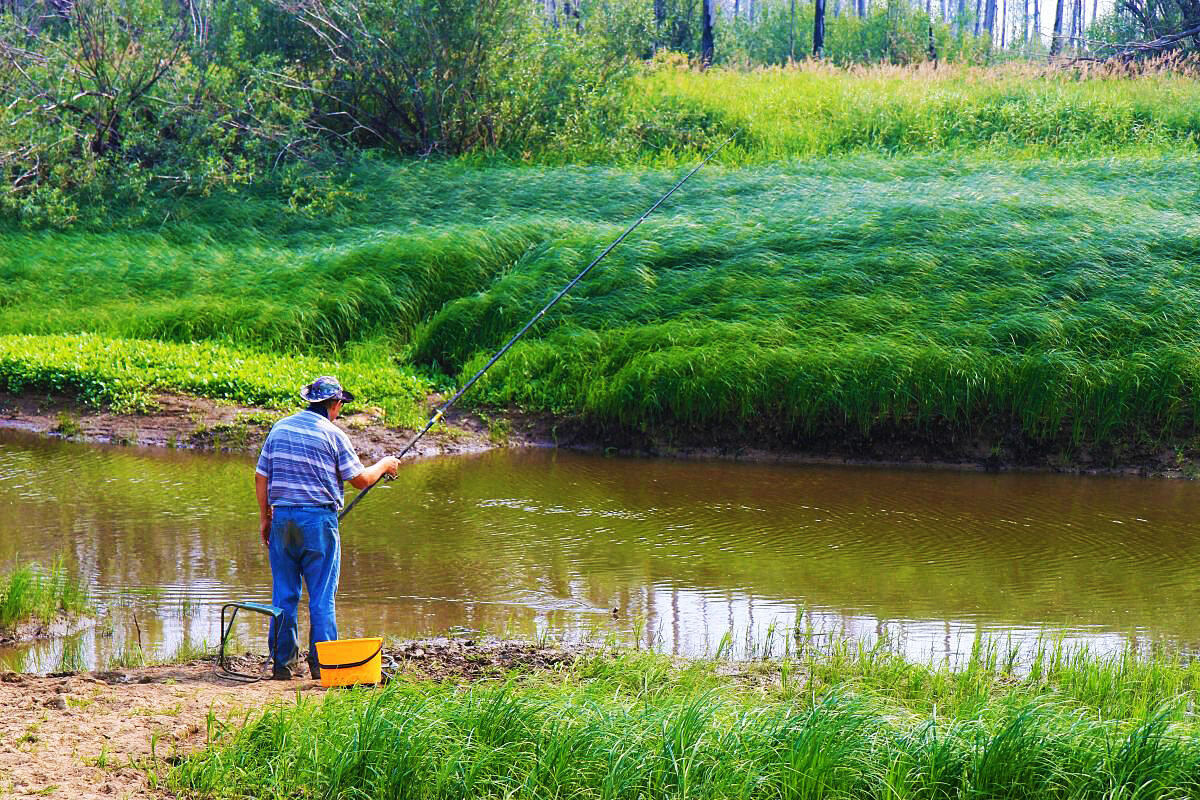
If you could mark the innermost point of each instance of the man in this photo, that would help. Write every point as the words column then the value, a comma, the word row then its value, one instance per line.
column 298, row 481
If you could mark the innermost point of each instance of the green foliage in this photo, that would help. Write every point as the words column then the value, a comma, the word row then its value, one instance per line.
column 635, row 726
column 31, row 593
column 125, row 373
column 113, row 102
column 117, row 109
column 893, row 33
column 449, row 77
column 117, row 105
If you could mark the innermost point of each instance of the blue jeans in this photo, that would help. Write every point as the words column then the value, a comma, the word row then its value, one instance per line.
column 304, row 544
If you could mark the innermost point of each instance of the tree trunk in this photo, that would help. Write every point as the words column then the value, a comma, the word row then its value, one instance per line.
column 818, row 27
column 861, row 7
column 990, row 21
column 1004, row 25
column 979, row 16
column 1025, row 25
column 792, row 34
column 837, row 8
column 1056, row 41
column 1037, row 22
column 706, row 33
column 929, row 19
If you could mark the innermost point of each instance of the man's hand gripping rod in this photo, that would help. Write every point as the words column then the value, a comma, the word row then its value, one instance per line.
column 446, row 406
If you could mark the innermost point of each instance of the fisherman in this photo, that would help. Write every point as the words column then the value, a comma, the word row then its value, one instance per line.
column 298, row 481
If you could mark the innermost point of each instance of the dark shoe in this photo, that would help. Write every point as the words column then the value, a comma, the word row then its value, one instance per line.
column 281, row 674
column 314, row 669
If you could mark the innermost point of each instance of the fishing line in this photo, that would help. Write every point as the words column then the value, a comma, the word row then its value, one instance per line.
column 562, row 293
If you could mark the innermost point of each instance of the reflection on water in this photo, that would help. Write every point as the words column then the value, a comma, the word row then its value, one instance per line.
column 520, row 541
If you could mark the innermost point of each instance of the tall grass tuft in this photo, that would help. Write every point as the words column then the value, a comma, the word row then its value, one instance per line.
column 639, row 725
column 32, row 593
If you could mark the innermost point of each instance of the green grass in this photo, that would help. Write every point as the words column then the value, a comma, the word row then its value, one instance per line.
column 1038, row 293
column 816, row 110
column 842, row 295
column 32, row 593
column 849, row 721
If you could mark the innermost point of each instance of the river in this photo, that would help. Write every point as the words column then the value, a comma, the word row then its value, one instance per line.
column 676, row 555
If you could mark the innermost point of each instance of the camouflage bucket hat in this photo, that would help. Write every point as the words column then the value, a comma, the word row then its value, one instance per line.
column 325, row 388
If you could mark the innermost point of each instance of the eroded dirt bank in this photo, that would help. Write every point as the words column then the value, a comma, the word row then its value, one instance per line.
column 199, row 423
column 115, row 734
column 196, row 422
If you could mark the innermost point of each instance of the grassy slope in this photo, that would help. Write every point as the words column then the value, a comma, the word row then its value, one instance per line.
column 984, row 287
column 842, row 722
column 797, row 297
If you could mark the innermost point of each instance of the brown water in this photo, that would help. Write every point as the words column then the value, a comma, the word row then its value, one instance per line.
column 550, row 542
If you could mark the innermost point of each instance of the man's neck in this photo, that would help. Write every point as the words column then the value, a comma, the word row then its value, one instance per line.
column 318, row 408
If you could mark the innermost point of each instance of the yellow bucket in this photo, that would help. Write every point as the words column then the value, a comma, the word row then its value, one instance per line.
column 346, row 662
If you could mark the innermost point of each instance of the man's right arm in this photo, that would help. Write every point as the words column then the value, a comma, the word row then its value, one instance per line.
column 261, row 492
column 264, row 508
column 387, row 465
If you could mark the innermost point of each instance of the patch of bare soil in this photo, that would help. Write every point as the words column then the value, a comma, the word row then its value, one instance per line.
column 98, row 735
column 198, row 423
column 115, row 734
column 471, row 659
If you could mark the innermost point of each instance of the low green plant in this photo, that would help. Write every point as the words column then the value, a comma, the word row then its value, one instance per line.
column 125, row 374
column 67, row 425
column 33, row 593
column 132, row 655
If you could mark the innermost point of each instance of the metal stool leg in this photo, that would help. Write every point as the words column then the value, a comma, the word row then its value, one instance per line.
column 223, row 668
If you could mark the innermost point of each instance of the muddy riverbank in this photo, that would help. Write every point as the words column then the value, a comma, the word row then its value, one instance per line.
column 182, row 421
column 198, row 423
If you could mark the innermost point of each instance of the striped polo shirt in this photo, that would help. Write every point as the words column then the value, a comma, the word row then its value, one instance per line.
column 305, row 459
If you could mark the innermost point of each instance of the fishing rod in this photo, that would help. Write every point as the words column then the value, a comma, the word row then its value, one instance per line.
column 562, row 293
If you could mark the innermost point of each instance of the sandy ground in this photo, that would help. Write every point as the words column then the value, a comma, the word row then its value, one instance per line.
column 102, row 735
column 115, row 734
